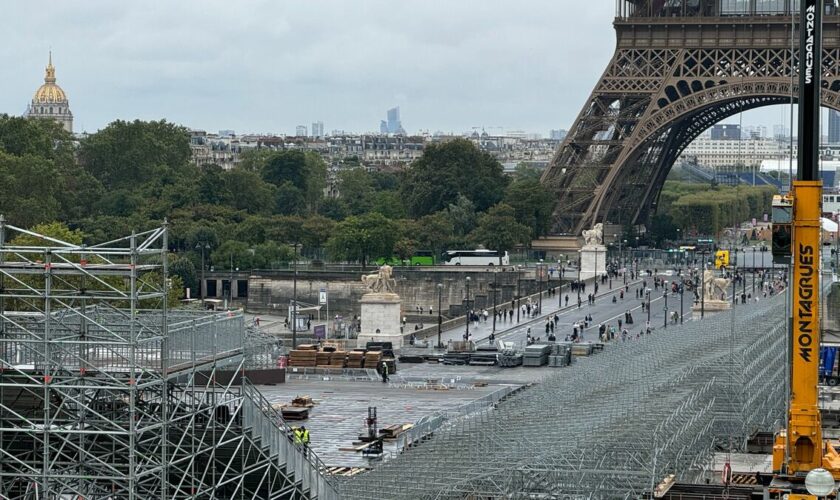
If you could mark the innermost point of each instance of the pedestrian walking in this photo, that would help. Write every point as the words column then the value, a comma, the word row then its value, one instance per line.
column 384, row 372
column 567, row 300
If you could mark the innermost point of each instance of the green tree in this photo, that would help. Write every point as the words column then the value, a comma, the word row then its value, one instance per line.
column 42, row 138
column 363, row 237
column 404, row 248
column 306, row 172
column 498, row 230
column 129, row 154
column 184, row 269
column 316, row 230
column 29, row 189
column 532, row 202
column 356, row 189
column 248, row 191
column 334, row 209
column 232, row 254
column 463, row 215
column 448, row 170
column 270, row 255
column 433, row 232
column 57, row 230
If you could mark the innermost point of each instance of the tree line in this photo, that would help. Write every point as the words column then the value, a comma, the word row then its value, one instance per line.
column 131, row 175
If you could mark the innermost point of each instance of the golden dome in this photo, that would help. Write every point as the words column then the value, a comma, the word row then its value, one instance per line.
column 49, row 92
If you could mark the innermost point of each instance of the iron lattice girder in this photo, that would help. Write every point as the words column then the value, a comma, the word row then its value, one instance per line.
column 667, row 81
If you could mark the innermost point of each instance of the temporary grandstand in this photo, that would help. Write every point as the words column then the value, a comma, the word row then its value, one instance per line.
column 105, row 393
column 611, row 426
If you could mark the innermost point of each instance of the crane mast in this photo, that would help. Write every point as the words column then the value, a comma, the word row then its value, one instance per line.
column 799, row 452
column 804, row 427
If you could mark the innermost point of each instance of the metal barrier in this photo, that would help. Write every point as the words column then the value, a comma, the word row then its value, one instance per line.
column 268, row 425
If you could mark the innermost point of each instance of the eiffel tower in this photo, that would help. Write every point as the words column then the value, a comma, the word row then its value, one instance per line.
column 679, row 67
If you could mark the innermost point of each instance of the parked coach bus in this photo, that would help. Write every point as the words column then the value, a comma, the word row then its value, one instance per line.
column 474, row 258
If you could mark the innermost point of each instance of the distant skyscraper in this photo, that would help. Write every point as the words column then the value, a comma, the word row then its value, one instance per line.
column 781, row 132
column 300, row 131
column 557, row 135
column 317, row 129
column 726, row 131
column 393, row 125
column 833, row 127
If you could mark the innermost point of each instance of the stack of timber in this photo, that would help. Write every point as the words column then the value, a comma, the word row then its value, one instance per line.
column 355, row 359
column 372, row 359
column 393, row 431
column 338, row 359
column 303, row 402
column 304, row 355
column 322, row 359
column 345, row 471
column 582, row 349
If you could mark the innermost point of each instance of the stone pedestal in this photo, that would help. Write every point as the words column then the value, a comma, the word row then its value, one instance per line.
column 593, row 261
column 710, row 307
column 380, row 319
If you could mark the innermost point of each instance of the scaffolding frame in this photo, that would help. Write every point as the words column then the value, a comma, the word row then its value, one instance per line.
column 105, row 393
column 611, row 426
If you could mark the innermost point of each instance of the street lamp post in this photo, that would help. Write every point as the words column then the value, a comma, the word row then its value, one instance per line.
column 682, row 289
column 495, row 285
column 703, row 287
column 201, row 286
column 540, row 271
column 647, row 293
column 294, row 301
column 440, row 317
column 518, row 291
column 665, row 294
column 469, row 314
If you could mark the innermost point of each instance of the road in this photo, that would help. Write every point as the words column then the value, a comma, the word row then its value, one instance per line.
column 602, row 311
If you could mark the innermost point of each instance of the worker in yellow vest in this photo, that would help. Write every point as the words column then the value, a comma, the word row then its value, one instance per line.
column 302, row 438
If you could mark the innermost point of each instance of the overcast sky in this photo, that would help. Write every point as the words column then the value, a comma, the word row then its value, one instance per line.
column 269, row 65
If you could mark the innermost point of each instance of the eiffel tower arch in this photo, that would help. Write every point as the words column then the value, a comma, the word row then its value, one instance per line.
column 679, row 67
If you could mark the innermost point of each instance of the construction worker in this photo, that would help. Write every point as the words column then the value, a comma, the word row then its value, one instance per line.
column 302, row 438
column 384, row 372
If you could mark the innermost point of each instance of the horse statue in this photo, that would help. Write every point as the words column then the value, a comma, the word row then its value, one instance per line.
column 594, row 236
column 714, row 288
column 382, row 281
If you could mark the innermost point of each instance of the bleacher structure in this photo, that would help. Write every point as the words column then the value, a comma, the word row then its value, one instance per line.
column 106, row 393
column 611, row 426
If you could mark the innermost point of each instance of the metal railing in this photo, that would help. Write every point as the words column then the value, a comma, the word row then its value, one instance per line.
column 268, row 425
column 428, row 424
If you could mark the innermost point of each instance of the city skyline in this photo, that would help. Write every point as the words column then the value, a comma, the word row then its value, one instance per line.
column 220, row 72
column 268, row 67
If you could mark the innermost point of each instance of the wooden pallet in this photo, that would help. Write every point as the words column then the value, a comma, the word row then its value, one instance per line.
column 345, row 471
column 303, row 402
column 393, row 431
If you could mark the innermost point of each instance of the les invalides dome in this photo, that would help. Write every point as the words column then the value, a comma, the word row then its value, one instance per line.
column 50, row 101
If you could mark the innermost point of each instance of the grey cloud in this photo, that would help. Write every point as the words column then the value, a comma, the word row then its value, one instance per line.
column 270, row 65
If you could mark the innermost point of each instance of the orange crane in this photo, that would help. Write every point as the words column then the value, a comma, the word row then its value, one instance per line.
column 804, row 465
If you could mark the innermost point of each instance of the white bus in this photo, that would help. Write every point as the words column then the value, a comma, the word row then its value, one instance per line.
column 474, row 258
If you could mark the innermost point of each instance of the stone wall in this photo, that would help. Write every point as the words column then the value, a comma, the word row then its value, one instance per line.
column 271, row 291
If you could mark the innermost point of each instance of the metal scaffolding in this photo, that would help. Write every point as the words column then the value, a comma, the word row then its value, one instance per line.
column 105, row 393
column 612, row 425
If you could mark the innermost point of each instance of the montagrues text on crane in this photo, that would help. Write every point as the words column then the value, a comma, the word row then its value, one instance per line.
column 805, row 313
column 810, row 16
